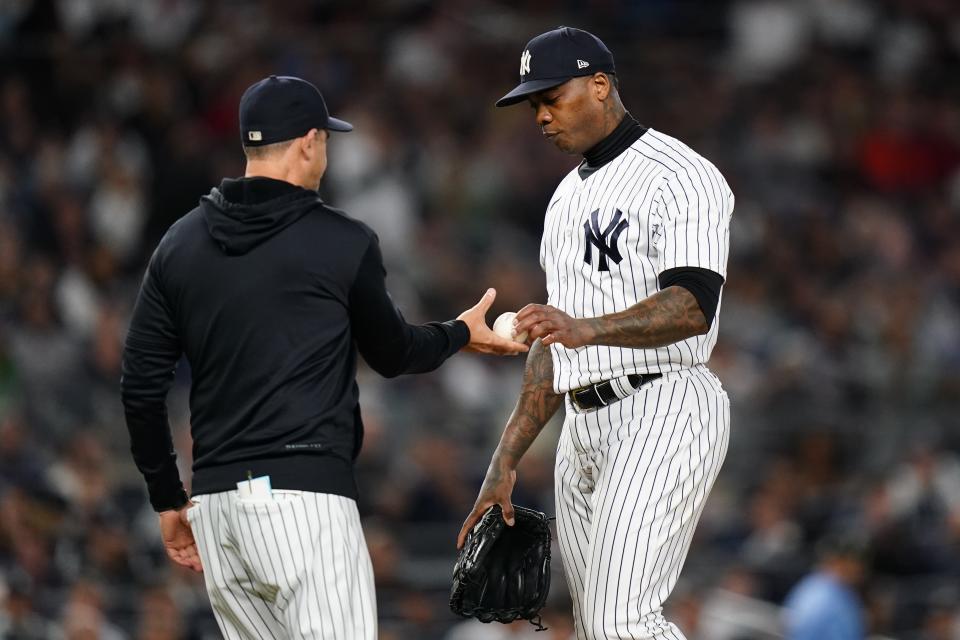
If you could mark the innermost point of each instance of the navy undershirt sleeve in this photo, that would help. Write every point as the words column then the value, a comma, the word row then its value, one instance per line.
column 704, row 284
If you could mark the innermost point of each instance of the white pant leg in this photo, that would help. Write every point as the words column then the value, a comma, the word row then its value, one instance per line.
column 241, row 602
column 573, row 489
column 302, row 559
column 651, row 487
column 336, row 597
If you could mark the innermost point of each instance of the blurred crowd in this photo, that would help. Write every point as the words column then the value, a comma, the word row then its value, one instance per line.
column 836, row 122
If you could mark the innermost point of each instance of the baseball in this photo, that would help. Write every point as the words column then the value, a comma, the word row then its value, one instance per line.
column 503, row 327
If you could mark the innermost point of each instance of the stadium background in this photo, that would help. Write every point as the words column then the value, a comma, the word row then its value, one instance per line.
column 837, row 123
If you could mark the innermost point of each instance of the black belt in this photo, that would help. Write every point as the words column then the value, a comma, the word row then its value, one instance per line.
column 594, row 396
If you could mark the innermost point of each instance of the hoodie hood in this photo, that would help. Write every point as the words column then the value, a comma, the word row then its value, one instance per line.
column 243, row 213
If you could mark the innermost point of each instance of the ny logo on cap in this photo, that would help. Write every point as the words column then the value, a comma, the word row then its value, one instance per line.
column 525, row 63
column 582, row 64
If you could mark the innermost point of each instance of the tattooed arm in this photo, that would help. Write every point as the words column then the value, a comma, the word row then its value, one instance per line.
column 536, row 405
column 667, row 316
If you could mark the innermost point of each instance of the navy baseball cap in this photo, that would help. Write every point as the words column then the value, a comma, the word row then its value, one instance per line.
column 554, row 57
column 281, row 108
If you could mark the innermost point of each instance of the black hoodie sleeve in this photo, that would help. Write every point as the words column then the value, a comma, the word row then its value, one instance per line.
column 389, row 345
column 150, row 356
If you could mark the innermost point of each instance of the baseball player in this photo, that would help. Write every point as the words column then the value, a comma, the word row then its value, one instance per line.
column 634, row 248
column 270, row 293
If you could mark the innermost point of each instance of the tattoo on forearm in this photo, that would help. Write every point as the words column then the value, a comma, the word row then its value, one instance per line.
column 536, row 405
column 666, row 317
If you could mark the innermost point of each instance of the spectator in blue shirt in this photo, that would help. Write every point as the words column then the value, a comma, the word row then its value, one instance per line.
column 825, row 605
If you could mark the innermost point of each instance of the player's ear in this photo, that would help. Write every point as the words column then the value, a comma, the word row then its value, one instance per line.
column 601, row 85
column 309, row 143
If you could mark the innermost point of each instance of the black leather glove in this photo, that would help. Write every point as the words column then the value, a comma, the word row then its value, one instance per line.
column 503, row 573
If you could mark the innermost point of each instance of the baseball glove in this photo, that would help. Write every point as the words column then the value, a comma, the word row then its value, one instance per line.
column 502, row 572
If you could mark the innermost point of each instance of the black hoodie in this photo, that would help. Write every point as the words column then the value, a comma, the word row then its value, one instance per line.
column 269, row 293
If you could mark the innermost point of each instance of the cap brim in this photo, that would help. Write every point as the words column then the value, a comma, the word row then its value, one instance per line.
column 522, row 90
column 336, row 124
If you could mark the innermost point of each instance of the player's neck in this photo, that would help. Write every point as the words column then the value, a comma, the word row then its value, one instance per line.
column 278, row 171
column 615, row 142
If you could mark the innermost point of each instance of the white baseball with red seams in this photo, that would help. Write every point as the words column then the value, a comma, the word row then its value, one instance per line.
column 503, row 327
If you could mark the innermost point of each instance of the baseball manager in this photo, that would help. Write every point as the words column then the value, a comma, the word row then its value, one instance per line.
column 270, row 293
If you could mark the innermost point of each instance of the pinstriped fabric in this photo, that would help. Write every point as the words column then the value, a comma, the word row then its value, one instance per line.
column 677, row 207
column 295, row 566
column 573, row 488
column 232, row 591
column 628, row 504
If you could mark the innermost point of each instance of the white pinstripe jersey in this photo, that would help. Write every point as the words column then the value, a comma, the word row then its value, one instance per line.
column 657, row 206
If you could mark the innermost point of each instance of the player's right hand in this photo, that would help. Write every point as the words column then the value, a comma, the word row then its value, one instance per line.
column 178, row 538
column 497, row 489
column 482, row 337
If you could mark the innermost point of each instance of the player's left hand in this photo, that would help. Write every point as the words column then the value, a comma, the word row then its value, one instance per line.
column 496, row 489
column 178, row 538
column 553, row 326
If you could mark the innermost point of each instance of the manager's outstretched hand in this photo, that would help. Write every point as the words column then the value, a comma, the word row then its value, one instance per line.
column 178, row 538
column 482, row 338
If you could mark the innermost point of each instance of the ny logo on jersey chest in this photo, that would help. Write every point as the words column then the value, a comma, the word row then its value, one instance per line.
column 605, row 241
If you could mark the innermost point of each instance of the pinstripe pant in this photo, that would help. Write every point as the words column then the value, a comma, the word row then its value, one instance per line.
column 294, row 566
column 631, row 481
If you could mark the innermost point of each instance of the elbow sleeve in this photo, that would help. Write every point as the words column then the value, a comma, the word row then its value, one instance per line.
column 705, row 285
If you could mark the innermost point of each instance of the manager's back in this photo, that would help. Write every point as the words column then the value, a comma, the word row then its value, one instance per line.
column 270, row 294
